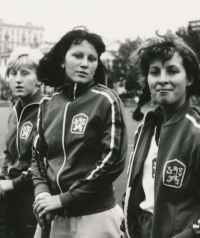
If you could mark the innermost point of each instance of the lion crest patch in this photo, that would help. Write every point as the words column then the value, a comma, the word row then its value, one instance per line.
column 26, row 130
column 79, row 123
column 173, row 174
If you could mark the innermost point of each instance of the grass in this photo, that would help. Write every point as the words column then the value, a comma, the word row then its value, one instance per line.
column 120, row 183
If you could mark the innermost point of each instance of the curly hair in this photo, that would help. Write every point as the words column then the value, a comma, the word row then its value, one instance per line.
column 163, row 48
column 50, row 71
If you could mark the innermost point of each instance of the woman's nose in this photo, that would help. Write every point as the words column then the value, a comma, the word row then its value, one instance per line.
column 163, row 79
column 18, row 78
column 84, row 63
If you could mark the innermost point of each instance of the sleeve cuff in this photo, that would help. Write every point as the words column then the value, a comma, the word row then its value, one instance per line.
column 69, row 203
column 40, row 188
column 18, row 183
column 189, row 233
column 66, row 199
column 2, row 176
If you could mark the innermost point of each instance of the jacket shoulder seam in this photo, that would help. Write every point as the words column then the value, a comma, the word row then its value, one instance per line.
column 193, row 120
column 48, row 98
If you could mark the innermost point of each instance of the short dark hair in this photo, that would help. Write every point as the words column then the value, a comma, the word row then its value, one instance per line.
column 50, row 71
column 163, row 48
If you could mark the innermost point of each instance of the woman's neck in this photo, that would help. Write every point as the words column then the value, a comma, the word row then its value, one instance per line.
column 169, row 111
column 26, row 100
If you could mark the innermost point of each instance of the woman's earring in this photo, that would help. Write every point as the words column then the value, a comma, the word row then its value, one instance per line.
column 189, row 84
column 63, row 66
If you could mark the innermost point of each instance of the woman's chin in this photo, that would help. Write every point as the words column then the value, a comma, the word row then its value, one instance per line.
column 164, row 101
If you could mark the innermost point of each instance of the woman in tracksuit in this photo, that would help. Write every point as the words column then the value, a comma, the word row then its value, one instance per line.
column 80, row 146
column 15, row 180
column 163, row 191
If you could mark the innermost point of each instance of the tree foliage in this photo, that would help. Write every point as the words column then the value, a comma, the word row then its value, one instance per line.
column 191, row 38
column 122, row 70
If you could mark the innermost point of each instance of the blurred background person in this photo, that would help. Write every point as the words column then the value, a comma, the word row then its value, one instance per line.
column 81, row 143
column 15, row 180
column 163, row 192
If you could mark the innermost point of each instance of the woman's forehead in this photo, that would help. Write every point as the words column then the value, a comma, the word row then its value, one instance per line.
column 84, row 45
column 21, row 63
column 176, row 59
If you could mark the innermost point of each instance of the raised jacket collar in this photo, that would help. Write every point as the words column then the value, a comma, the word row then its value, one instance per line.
column 73, row 90
column 157, row 114
column 34, row 100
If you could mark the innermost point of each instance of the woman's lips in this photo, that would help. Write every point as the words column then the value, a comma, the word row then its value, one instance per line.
column 82, row 72
column 19, row 87
column 163, row 90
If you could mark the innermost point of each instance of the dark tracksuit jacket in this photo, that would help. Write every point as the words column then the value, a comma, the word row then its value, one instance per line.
column 21, row 126
column 177, row 177
column 19, row 138
column 80, row 148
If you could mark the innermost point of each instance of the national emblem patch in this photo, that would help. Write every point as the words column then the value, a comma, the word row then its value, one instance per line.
column 26, row 130
column 79, row 123
column 173, row 173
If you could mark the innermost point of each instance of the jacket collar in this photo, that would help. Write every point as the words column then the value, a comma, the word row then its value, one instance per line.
column 34, row 100
column 73, row 90
column 157, row 114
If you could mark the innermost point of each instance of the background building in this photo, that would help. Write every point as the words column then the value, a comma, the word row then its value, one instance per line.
column 13, row 36
column 195, row 25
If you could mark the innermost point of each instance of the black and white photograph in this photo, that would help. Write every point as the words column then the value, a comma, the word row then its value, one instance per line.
column 100, row 119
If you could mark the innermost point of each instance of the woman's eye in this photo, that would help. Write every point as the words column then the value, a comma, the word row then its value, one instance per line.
column 13, row 72
column 25, row 73
column 172, row 71
column 153, row 72
column 92, row 58
column 78, row 56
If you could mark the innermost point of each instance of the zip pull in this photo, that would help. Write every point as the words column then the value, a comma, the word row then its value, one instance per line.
column 75, row 87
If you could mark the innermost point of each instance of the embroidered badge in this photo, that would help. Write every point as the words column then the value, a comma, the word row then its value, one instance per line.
column 26, row 130
column 173, row 173
column 79, row 123
column 153, row 167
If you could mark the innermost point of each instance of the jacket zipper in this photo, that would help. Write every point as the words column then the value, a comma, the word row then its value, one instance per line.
column 75, row 86
column 157, row 161
column 129, row 177
column 17, row 131
column 133, row 154
column 63, row 145
column 18, row 123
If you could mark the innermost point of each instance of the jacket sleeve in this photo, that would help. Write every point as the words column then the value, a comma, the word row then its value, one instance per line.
column 111, row 164
column 7, row 159
column 24, row 180
column 194, row 230
column 4, row 167
column 38, row 163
